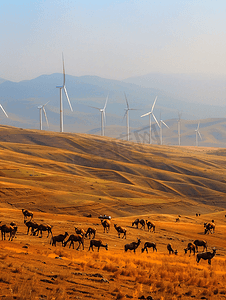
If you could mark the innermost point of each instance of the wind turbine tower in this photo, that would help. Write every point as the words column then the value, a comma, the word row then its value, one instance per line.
column 102, row 117
column 127, row 117
column 42, row 110
column 179, row 127
column 61, row 102
column 161, row 124
column 197, row 135
column 150, row 113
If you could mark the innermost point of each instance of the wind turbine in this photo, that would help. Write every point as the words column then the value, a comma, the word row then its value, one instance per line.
column 61, row 102
column 162, row 123
column 3, row 110
column 103, row 117
column 197, row 133
column 127, row 116
column 150, row 113
column 178, row 126
column 42, row 110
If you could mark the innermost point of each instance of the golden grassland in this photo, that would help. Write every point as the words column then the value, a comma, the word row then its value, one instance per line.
column 64, row 177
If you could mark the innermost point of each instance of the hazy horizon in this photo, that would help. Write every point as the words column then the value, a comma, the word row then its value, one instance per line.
column 111, row 39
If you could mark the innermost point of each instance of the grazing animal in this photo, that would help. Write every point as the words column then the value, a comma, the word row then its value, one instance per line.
column 149, row 245
column 91, row 231
column 177, row 219
column 27, row 214
column 43, row 227
column 98, row 244
column 132, row 246
column 150, row 225
column 75, row 238
column 142, row 223
column 209, row 228
column 190, row 247
column 106, row 224
column 120, row 230
column 200, row 243
column 206, row 256
column 79, row 231
column 8, row 229
column 31, row 224
column 136, row 222
column 170, row 249
column 58, row 238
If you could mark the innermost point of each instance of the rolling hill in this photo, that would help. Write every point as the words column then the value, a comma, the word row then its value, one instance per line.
column 82, row 174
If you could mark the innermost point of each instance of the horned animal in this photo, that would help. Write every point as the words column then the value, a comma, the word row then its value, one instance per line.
column 91, row 231
column 8, row 229
column 31, row 224
column 43, row 227
column 75, row 238
column 150, row 225
column 27, row 213
column 209, row 228
column 170, row 249
column 200, row 243
column 58, row 238
column 120, row 230
column 106, row 224
column 98, row 244
column 206, row 256
column 149, row 245
column 132, row 246
column 79, row 231
column 190, row 247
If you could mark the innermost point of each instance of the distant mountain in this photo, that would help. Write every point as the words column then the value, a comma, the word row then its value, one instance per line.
column 21, row 99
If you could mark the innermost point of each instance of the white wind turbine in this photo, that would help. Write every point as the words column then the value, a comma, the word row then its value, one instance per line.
column 162, row 123
column 151, row 114
column 3, row 110
column 127, row 116
column 103, row 117
column 197, row 133
column 61, row 102
column 179, row 127
column 42, row 110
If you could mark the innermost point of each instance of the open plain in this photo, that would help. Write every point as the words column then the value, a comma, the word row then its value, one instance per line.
column 68, row 180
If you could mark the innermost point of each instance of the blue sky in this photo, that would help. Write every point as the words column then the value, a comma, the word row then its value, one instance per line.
column 112, row 39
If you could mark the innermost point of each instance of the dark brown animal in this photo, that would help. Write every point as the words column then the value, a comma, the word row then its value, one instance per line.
column 170, row 249
column 191, row 248
column 142, row 223
column 27, row 214
column 136, row 223
column 8, row 229
column 58, row 238
column 132, row 246
column 43, row 227
column 91, row 231
column 200, row 243
column 120, row 230
column 106, row 224
column 31, row 224
column 75, row 238
column 149, row 245
column 79, row 231
column 150, row 225
column 98, row 244
column 209, row 228
column 206, row 256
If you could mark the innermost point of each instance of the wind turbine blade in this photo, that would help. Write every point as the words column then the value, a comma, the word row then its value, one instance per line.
column 164, row 123
column 46, row 103
column 156, row 120
column 199, row 134
column 154, row 104
column 124, row 114
column 198, row 126
column 104, row 117
column 45, row 116
column 126, row 101
column 94, row 107
column 146, row 114
column 105, row 103
column 63, row 70
column 68, row 98
column 4, row 111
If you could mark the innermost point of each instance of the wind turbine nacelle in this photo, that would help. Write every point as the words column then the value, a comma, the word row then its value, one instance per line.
column 59, row 86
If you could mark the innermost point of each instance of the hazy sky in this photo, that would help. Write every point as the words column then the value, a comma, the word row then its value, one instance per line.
column 112, row 39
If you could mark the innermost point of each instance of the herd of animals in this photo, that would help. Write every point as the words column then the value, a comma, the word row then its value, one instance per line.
column 80, row 235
